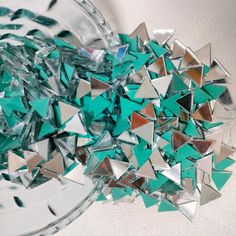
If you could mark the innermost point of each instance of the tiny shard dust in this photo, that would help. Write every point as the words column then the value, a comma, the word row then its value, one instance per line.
column 146, row 117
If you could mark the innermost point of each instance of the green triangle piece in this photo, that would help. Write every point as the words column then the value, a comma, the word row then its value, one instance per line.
column 141, row 154
column 41, row 106
column 46, row 129
column 63, row 78
column 177, row 84
column 12, row 104
column 156, row 184
column 191, row 129
column 101, row 198
column 171, row 104
column 214, row 90
column 200, row 96
column 166, row 206
column 148, row 201
column 69, row 70
column 205, row 69
column 61, row 43
column 157, row 49
column 209, row 125
column 121, row 126
column 220, row 178
column 222, row 165
column 117, row 193
column 133, row 42
column 141, row 60
column 169, row 65
column 128, row 107
column 187, row 151
column 6, row 76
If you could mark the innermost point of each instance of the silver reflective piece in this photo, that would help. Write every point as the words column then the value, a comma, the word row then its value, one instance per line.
column 163, row 35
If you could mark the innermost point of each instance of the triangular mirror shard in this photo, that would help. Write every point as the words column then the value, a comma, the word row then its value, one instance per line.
column 104, row 168
column 146, row 90
column 188, row 209
column 203, row 113
column 137, row 121
column 157, row 160
column 41, row 148
column 186, row 102
column 67, row 111
column 128, row 137
column 53, row 167
column 204, row 54
column 178, row 49
column 162, row 84
column 217, row 137
column 15, row 162
column 217, row 72
column 84, row 87
column 202, row 145
column 32, row 159
column 194, row 74
column 75, row 173
column 225, row 152
column 119, row 167
column 149, row 111
column 179, row 139
column 173, row 173
column 162, row 35
column 158, row 67
column 145, row 132
column 98, row 87
column 75, row 125
column 208, row 194
column 140, row 31
column 190, row 59
column 146, row 171
column 205, row 164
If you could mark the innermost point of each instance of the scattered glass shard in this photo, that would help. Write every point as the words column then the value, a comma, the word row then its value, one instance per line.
column 15, row 162
column 204, row 54
column 173, row 173
column 178, row 49
column 190, row 59
column 158, row 161
column 146, row 90
column 67, row 111
column 149, row 111
column 146, row 171
column 140, row 31
column 217, row 72
column 162, row 35
column 179, row 139
column 186, row 102
column 203, row 113
column 137, row 121
column 75, row 125
column 75, row 173
column 194, row 74
column 145, row 132
column 208, row 194
column 158, row 67
column 162, row 84
column 98, row 87
column 84, row 87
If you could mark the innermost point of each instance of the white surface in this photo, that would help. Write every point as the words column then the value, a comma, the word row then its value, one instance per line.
column 196, row 22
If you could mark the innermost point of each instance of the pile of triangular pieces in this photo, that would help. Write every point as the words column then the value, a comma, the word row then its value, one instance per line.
column 144, row 117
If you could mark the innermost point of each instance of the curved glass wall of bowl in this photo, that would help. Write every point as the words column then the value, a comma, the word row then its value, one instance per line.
column 77, row 21
column 51, row 206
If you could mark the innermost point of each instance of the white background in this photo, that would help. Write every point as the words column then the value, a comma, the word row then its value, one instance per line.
column 196, row 22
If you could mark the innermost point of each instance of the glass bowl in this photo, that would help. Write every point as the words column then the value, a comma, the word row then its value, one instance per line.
column 67, row 200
